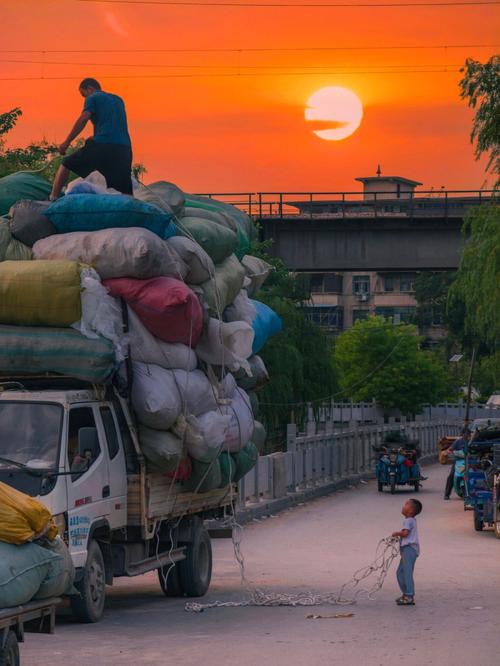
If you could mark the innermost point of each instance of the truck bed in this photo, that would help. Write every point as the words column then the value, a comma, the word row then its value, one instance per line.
column 159, row 499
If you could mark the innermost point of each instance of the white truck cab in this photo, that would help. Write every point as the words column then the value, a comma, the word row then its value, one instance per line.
column 76, row 450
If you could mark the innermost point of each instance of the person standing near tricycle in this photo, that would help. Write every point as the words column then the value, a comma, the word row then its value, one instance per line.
column 410, row 550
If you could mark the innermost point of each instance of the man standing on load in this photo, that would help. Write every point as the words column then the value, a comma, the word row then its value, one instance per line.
column 109, row 151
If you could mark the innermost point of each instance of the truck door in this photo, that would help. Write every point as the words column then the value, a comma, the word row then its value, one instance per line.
column 116, row 466
column 88, row 487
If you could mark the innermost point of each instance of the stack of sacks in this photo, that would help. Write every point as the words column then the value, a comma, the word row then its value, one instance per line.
column 175, row 297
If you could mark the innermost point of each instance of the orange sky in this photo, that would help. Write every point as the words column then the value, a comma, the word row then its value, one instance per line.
column 247, row 133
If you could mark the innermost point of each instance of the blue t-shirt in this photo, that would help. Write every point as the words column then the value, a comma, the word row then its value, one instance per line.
column 458, row 444
column 108, row 117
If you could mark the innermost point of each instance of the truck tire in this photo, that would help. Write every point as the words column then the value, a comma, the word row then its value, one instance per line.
column 9, row 653
column 195, row 572
column 89, row 605
column 170, row 581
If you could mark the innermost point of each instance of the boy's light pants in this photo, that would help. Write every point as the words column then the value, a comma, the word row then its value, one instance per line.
column 405, row 570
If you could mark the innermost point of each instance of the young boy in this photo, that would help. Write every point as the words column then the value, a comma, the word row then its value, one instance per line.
column 410, row 550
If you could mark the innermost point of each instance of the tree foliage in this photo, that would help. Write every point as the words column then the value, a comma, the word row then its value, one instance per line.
column 480, row 86
column 476, row 287
column 381, row 361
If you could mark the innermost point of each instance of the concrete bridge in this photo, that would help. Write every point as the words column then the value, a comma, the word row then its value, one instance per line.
column 348, row 231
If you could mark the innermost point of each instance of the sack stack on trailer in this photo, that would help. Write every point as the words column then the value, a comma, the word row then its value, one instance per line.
column 158, row 289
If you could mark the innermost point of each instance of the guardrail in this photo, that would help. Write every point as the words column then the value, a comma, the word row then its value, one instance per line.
column 314, row 460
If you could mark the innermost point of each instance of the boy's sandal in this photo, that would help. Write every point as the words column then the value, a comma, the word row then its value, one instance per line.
column 399, row 599
column 405, row 601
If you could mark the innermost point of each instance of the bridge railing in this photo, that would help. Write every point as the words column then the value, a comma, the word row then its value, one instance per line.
column 313, row 460
column 315, row 205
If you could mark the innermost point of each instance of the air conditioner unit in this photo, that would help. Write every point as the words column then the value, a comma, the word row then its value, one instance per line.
column 362, row 297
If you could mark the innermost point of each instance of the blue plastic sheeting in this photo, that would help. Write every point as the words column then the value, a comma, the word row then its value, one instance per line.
column 92, row 212
column 265, row 324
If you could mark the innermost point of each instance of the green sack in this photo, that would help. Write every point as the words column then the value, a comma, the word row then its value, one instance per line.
column 161, row 448
column 37, row 350
column 221, row 291
column 239, row 216
column 61, row 573
column 259, row 435
column 245, row 460
column 40, row 293
column 10, row 248
column 227, row 469
column 204, row 477
column 22, row 185
column 23, row 569
column 217, row 241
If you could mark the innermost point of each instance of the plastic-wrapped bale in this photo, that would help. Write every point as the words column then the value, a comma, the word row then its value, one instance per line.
column 92, row 212
column 200, row 266
column 40, row 293
column 29, row 223
column 10, row 248
column 257, row 271
column 61, row 573
column 213, row 427
column 167, row 307
column 36, row 349
column 23, row 570
column 159, row 396
column 226, row 344
column 162, row 449
column 146, row 348
column 266, row 324
column 115, row 253
column 22, row 517
column 22, row 185
column 205, row 477
column 254, row 403
column 241, row 309
column 227, row 469
column 241, row 426
column 217, row 241
column 143, row 193
column 258, row 377
column 188, row 430
column 170, row 193
column 219, row 292
column 245, row 460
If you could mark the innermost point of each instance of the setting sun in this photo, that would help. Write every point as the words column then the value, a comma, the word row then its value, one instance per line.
column 337, row 110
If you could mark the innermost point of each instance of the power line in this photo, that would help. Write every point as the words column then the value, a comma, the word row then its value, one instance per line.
column 287, row 5
column 294, row 49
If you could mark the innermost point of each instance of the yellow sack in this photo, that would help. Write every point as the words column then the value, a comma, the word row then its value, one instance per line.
column 40, row 293
column 23, row 518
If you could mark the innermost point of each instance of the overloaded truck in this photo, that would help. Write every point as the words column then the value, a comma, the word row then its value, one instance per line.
column 129, row 342
column 76, row 449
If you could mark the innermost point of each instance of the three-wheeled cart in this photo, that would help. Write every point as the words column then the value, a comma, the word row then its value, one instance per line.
column 35, row 616
column 480, row 490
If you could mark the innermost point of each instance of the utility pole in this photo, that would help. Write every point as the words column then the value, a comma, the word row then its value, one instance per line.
column 469, row 386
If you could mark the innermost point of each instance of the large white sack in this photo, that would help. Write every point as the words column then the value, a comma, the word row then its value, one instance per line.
column 241, row 309
column 133, row 252
column 226, row 343
column 155, row 396
column 213, row 426
column 257, row 270
column 188, row 430
column 101, row 314
column 94, row 183
column 200, row 266
column 241, row 426
column 198, row 394
column 162, row 449
column 146, row 348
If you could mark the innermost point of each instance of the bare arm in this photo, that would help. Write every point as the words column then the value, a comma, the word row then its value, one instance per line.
column 75, row 131
column 402, row 533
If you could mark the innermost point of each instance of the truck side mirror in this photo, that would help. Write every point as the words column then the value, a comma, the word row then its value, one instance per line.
column 88, row 440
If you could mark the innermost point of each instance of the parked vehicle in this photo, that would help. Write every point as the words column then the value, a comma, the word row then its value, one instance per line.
column 480, row 474
column 496, row 489
column 397, row 463
column 117, row 518
column 36, row 616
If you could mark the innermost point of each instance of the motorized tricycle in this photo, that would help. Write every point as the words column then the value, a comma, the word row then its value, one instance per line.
column 481, row 487
column 397, row 463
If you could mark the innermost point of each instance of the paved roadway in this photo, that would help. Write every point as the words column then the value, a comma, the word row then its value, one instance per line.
column 318, row 546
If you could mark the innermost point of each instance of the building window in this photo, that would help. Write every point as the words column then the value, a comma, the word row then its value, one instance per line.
column 388, row 283
column 360, row 314
column 398, row 191
column 327, row 316
column 406, row 282
column 361, row 284
column 324, row 283
column 397, row 315
column 316, row 282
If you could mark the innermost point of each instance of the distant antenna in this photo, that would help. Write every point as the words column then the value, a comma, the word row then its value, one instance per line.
column 379, row 171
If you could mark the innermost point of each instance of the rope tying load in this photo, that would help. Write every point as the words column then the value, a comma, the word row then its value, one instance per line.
column 386, row 552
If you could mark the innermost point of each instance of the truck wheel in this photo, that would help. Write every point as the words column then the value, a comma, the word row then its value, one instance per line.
column 393, row 485
column 195, row 572
column 478, row 523
column 9, row 654
column 89, row 605
column 169, row 581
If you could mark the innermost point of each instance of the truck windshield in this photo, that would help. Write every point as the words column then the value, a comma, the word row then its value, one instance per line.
column 30, row 433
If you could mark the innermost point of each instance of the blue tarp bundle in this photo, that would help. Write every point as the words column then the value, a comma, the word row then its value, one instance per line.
column 265, row 324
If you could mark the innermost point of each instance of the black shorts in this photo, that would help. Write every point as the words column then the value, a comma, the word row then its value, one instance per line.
column 113, row 160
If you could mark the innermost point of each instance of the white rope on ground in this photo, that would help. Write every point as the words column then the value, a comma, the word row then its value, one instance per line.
column 386, row 552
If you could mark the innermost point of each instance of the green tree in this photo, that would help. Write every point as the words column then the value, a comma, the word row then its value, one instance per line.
column 480, row 86
column 381, row 361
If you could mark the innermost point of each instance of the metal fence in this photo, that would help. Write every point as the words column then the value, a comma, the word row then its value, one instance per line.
column 313, row 460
